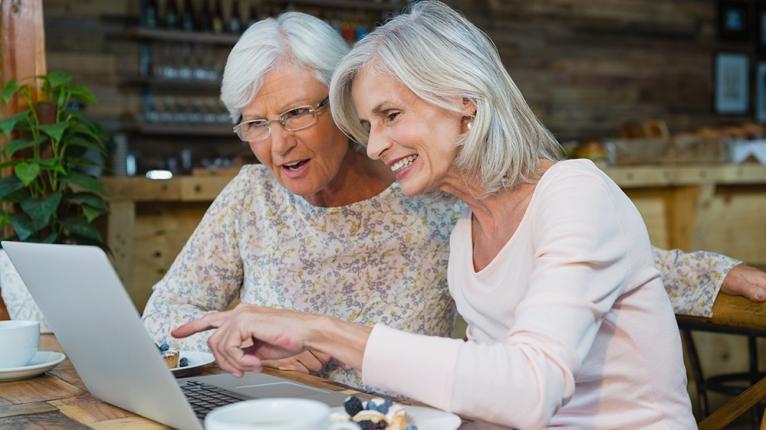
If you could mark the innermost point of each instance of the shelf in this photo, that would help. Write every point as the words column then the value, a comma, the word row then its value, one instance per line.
column 183, row 36
column 181, row 84
column 383, row 5
column 180, row 129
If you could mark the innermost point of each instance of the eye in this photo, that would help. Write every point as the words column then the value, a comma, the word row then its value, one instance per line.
column 254, row 124
column 297, row 112
column 392, row 115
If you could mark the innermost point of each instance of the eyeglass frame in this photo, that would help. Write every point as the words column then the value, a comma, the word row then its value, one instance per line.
column 314, row 110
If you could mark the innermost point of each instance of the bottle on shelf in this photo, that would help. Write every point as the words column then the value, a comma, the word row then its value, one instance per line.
column 235, row 20
column 217, row 17
column 170, row 19
column 188, row 21
column 149, row 13
column 206, row 17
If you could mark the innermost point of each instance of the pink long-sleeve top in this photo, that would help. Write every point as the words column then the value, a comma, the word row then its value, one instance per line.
column 568, row 327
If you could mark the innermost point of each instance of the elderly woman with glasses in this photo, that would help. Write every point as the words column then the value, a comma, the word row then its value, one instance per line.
column 550, row 263
column 319, row 227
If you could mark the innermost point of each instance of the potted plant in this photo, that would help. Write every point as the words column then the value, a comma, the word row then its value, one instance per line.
column 51, row 159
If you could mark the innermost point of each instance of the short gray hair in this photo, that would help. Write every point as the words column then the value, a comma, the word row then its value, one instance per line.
column 440, row 56
column 293, row 36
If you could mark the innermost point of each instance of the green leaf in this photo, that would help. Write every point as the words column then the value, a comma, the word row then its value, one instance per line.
column 40, row 211
column 84, row 181
column 51, row 237
column 27, row 172
column 91, row 213
column 8, row 124
column 8, row 185
column 4, row 219
column 52, row 164
column 17, row 196
column 93, row 132
column 57, row 79
column 9, row 89
column 55, row 131
column 92, row 200
column 82, row 93
column 19, row 144
column 78, row 227
column 22, row 226
column 83, row 162
column 84, row 143
column 9, row 163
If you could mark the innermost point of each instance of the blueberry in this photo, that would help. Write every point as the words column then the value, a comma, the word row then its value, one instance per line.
column 411, row 427
column 163, row 346
column 183, row 362
column 352, row 405
column 366, row 425
column 383, row 407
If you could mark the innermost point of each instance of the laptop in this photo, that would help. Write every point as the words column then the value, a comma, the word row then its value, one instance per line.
column 95, row 322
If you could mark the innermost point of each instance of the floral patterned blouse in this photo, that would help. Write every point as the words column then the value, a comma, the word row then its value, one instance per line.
column 383, row 259
column 379, row 260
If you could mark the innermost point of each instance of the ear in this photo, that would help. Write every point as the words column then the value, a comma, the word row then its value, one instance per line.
column 469, row 107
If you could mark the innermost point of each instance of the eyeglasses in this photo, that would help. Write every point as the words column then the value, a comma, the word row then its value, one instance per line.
column 295, row 119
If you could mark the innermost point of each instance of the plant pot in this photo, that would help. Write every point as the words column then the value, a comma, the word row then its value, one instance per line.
column 17, row 299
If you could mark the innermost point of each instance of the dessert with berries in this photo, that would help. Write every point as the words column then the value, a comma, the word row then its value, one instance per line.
column 375, row 414
column 172, row 357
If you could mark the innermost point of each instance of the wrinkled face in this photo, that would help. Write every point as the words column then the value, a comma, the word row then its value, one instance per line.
column 415, row 139
column 303, row 161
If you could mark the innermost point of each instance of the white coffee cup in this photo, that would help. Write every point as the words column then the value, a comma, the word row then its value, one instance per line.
column 274, row 414
column 19, row 340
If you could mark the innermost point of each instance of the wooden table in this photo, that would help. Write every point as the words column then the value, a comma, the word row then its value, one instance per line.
column 59, row 400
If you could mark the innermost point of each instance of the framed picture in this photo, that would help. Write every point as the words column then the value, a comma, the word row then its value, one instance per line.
column 760, row 97
column 732, row 83
column 734, row 20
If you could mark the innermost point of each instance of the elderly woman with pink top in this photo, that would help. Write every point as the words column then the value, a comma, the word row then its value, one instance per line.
column 550, row 265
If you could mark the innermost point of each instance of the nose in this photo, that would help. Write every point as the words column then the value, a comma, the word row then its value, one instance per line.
column 377, row 144
column 282, row 141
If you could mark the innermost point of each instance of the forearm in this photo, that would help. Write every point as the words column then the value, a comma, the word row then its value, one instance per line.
column 342, row 340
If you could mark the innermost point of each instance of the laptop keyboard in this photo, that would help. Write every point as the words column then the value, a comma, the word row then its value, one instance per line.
column 203, row 398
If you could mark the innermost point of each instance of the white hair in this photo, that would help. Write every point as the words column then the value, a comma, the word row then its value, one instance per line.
column 441, row 57
column 293, row 36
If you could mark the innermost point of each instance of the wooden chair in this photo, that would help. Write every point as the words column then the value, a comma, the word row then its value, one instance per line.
column 734, row 315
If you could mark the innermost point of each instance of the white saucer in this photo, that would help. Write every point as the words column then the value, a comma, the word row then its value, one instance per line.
column 40, row 363
column 425, row 418
column 197, row 359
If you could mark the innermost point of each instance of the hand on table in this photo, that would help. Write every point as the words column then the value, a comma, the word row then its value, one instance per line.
column 249, row 335
column 745, row 281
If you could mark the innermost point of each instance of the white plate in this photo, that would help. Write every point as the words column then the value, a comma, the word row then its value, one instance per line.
column 40, row 363
column 196, row 359
column 425, row 418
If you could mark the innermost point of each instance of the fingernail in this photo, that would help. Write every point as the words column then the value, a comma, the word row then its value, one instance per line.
column 760, row 295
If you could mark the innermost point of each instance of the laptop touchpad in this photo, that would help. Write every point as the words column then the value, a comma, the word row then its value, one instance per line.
column 278, row 389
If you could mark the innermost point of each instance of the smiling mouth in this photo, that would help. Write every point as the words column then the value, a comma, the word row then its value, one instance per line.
column 404, row 162
column 295, row 165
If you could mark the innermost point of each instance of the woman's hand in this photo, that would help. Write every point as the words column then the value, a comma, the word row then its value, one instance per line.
column 746, row 281
column 306, row 362
column 250, row 334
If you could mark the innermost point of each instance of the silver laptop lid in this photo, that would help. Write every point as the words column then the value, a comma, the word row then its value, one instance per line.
column 99, row 328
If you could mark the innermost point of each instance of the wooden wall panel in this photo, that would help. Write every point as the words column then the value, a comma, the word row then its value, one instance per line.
column 585, row 67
